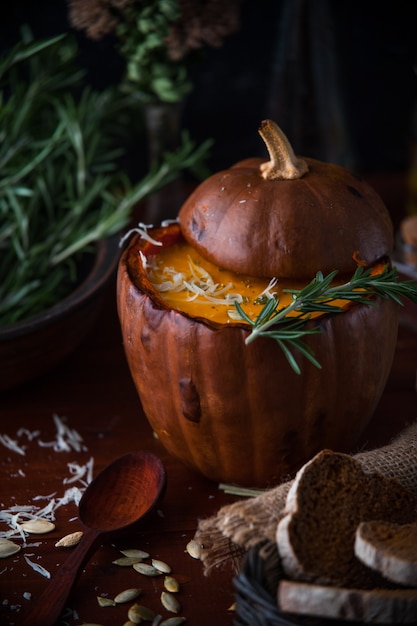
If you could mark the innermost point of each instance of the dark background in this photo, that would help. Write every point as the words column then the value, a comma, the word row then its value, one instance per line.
column 338, row 77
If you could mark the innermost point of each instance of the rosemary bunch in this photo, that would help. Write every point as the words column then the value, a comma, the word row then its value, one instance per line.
column 288, row 325
column 61, row 184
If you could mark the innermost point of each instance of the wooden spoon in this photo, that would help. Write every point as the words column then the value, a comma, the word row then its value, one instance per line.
column 121, row 495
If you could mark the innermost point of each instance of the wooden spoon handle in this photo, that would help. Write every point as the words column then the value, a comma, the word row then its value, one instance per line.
column 51, row 602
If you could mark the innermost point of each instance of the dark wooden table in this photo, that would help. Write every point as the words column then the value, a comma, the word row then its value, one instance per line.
column 92, row 391
column 93, row 394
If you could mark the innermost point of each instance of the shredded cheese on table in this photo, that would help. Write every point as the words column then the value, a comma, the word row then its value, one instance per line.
column 80, row 475
column 15, row 515
column 12, row 444
column 36, row 567
column 66, row 439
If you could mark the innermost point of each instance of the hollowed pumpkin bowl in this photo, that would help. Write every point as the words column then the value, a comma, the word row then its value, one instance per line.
column 238, row 413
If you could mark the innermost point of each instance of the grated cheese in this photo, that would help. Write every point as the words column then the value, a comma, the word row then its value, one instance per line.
column 79, row 471
column 37, row 568
column 66, row 440
column 197, row 282
column 17, row 514
column 267, row 291
column 142, row 230
column 31, row 435
column 143, row 259
column 190, row 283
column 80, row 475
column 12, row 444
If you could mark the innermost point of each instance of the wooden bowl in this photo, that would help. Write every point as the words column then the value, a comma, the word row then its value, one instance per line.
column 34, row 346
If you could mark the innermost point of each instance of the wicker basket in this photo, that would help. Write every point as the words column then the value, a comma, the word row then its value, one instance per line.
column 256, row 586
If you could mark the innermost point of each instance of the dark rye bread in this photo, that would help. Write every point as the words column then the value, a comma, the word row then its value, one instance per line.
column 330, row 496
column 390, row 549
column 376, row 606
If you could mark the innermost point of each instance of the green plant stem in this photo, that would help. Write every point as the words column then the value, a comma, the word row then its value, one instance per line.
column 185, row 157
column 320, row 296
column 62, row 182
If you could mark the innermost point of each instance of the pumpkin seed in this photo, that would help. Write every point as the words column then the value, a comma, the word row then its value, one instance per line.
column 146, row 569
column 173, row 621
column 170, row 602
column 171, row 584
column 128, row 595
column 128, row 623
column 133, row 552
column 194, row 549
column 161, row 566
column 37, row 526
column 7, row 548
column 139, row 613
column 105, row 601
column 127, row 561
column 70, row 540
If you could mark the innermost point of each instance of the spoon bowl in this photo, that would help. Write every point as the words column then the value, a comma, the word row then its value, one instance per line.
column 123, row 492
column 117, row 498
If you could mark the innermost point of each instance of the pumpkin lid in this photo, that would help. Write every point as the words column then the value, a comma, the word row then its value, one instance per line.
column 288, row 217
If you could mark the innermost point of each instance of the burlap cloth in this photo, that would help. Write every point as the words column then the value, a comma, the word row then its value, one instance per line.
column 225, row 537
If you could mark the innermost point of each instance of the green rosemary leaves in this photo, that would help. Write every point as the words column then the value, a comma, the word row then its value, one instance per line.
column 289, row 325
column 64, row 184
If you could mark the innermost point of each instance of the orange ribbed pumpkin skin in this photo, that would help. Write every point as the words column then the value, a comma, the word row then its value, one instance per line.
column 238, row 413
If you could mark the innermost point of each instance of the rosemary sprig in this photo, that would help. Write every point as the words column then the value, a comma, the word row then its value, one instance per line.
column 319, row 296
column 63, row 186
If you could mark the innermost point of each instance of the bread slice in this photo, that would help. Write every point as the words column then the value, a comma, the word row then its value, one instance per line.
column 390, row 549
column 377, row 606
column 330, row 496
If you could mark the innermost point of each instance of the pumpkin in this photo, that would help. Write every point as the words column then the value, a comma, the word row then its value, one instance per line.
column 235, row 411
column 288, row 217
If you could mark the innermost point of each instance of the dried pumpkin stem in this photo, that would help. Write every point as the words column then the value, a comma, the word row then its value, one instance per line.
column 284, row 165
